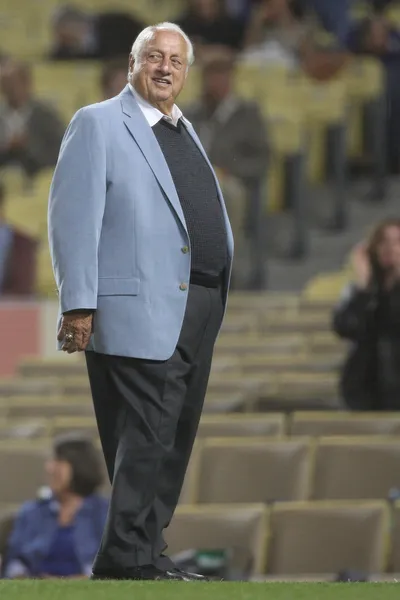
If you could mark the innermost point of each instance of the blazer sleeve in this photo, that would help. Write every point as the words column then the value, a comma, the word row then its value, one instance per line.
column 353, row 317
column 76, row 208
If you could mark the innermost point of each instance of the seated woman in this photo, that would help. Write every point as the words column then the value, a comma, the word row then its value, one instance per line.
column 369, row 316
column 59, row 536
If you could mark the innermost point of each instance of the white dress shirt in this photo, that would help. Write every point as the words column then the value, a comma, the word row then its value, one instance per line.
column 152, row 114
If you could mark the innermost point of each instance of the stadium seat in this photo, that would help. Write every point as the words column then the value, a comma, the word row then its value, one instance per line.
column 232, row 345
column 327, row 287
column 328, row 538
column 344, row 423
column 226, row 402
column 74, row 386
column 22, row 387
column 250, row 387
column 45, row 283
column 84, row 424
column 255, row 363
column 306, row 389
column 7, row 518
column 24, row 428
column 254, row 470
column 38, row 407
column 257, row 425
column 356, row 468
column 240, row 529
column 26, row 214
column 39, row 368
column 394, row 560
column 190, row 485
column 296, row 322
column 21, row 470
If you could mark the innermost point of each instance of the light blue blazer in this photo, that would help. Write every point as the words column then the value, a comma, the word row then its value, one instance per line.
column 117, row 232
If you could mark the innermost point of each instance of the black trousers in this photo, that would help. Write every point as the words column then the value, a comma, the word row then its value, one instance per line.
column 148, row 414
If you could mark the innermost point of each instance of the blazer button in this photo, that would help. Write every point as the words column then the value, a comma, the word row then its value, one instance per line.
column 185, row 249
column 183, row 287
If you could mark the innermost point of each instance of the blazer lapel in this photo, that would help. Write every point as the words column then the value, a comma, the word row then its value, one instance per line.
column 147, row 142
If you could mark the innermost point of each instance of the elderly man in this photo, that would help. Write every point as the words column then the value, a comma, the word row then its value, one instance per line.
column 142, row 250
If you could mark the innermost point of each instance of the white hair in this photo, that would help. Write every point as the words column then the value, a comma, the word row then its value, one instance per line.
column 147, row 34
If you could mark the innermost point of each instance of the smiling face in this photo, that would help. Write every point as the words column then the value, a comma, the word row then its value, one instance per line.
column 161, row 74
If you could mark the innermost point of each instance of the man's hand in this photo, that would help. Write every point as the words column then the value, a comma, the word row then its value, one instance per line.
column 75, row 331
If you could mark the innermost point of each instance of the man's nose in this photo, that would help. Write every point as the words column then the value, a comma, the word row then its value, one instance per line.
column 164, row 66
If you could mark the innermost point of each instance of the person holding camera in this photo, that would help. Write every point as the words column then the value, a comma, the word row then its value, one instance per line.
column 368, row 315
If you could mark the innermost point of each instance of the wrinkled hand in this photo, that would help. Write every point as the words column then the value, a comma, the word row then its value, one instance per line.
column 75, row 331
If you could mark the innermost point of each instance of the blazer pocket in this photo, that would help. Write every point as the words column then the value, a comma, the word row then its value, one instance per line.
column 118, row 286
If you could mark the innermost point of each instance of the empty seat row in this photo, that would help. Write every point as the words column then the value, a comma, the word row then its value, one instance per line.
column 56, row 415
column 272, row 470
column 237, row 470
column 306, row 538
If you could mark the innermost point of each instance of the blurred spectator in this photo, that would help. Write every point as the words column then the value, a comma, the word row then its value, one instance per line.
column 233, row 132
column 276, row 31
column 231, row 129
column 335, row 17
column 207, row 23
column 30, row 130
column 17, row 258
column 59, row 536
column 369, row 316
column 324, row 63
column 79, row 35
column 377, row 37
column 113, row 78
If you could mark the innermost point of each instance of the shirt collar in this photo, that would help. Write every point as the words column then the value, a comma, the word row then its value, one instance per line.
column 152, row 114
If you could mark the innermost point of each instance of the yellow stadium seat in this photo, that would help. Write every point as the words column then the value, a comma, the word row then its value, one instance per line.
column 344, row 467
column 344, row 423
column 243, row 529
column 247, row 469
column 45, row 284
column 236, row 425
column 310, row 538
column 83, row 424
column 328, row 286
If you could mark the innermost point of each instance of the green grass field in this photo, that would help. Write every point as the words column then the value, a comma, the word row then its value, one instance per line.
column 78, row 590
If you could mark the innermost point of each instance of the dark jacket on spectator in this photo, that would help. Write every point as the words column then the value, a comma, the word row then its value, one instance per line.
column 113, row 35
column 370, row 319
column 234, row 137
column 224, row 31
column 44, row 131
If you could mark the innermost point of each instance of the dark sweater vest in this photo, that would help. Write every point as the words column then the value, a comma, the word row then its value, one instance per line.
column 197, row 192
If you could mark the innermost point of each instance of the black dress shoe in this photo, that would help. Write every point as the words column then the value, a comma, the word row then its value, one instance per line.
column 144, row 573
